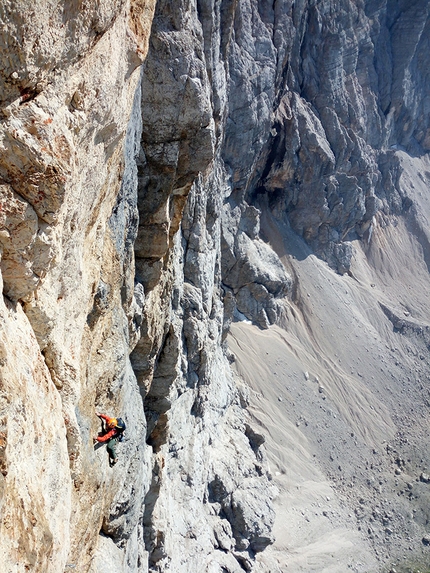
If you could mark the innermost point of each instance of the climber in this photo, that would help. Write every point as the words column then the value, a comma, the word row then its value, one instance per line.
column 113, row 432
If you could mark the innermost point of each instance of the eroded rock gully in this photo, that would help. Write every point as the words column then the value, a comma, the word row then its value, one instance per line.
column 172, row 171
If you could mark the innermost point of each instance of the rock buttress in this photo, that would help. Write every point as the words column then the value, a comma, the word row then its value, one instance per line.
column 68, row 80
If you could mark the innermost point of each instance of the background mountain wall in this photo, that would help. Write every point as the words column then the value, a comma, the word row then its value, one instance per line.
column 215, row 223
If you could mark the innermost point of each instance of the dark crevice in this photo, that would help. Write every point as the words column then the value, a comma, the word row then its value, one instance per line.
column 157, row 402
column 28, row 94
column 243, row 563
column 154, row 540
column 255, row 440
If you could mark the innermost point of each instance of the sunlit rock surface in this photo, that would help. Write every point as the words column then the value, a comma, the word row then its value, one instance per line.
column 214, row 223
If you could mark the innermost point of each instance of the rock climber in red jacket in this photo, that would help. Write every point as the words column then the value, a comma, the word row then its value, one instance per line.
column 114, row 428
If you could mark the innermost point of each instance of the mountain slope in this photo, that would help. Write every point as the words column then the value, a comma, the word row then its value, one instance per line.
column 169, row 171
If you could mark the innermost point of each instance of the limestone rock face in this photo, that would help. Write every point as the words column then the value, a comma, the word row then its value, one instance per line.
column 154, row 158
column 35, row 478
column 68, row 82
column 254, row 274
column 338, row 113
column 297, row 131
column 192, row 408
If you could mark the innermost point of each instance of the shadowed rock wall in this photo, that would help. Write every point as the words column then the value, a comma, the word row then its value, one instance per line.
column 297, row 108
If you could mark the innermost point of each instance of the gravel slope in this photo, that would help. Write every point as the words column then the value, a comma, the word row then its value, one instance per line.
column 340, row 389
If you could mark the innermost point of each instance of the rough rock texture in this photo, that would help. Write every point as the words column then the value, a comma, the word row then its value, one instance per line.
column 35, row 527
column 167, row 168
column 69, row 74
column 345, row 121
column 192, row 408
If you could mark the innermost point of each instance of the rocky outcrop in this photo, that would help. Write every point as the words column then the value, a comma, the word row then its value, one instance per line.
column 297, row 128
column 191, row 404
column 320, row 142
column 76, row 233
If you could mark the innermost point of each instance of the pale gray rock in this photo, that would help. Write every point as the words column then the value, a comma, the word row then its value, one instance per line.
column 251, row 517
column 252, row 272
column 135, row 211
column 177, row 142
column 296, row 128
column 18, row 235
column 322, row 162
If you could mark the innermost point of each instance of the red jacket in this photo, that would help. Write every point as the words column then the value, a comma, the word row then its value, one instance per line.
column 111, row 433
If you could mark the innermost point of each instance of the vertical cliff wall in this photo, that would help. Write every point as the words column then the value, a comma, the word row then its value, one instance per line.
column 69, row 73
column 168, row 169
